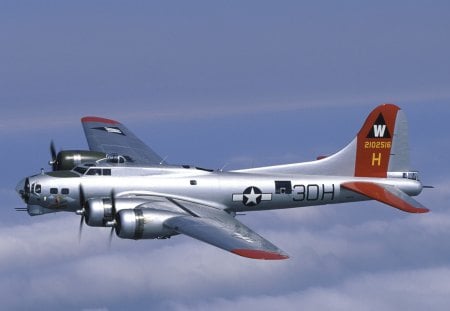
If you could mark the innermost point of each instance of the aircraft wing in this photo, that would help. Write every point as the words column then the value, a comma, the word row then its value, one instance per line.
column 227, row 233
column 214, row 226
column 111, row 136
column 387, row 194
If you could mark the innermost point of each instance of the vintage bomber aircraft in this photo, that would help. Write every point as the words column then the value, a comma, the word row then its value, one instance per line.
column 121, row 183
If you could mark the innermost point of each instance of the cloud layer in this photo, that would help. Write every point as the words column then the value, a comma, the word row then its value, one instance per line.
column 398, row 261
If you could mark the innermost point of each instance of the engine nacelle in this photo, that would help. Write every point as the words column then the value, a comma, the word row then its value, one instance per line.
column 143, row 223
column 68, row 159
column 99, row 211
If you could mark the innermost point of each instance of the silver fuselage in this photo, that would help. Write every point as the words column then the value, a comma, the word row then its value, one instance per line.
column 233, row 191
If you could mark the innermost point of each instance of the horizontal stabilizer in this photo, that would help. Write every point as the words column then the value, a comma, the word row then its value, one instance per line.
column 387, row 194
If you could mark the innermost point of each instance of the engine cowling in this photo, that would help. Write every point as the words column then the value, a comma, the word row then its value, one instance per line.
column 99, row 211
column 143, row 223
column 68, row 159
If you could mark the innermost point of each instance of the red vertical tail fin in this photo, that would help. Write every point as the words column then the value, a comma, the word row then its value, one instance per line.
column 375, row 142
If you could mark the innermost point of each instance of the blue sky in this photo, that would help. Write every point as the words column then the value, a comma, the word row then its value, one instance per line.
column 227, row 83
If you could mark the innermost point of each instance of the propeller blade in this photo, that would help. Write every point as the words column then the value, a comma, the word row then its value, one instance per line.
column 113, row 216
column 113, row 204
column 53, row 150
column 111, row 233
column 54, row 155
column 80, row 230
column 82, row 201
column 82, row 197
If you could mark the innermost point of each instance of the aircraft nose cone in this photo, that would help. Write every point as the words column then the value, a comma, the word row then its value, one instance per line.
column 20, row 188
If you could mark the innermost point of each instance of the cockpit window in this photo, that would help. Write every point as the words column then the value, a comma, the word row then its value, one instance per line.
column 80, row 169
column 94, row 171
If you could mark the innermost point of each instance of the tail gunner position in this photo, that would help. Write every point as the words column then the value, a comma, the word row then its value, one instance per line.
column 123, row 184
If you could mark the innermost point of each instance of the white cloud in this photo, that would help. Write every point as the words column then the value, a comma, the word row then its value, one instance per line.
column 330, row 265
column 420, row 289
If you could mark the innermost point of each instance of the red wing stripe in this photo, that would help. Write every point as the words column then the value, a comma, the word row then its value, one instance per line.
column 258, row 254
column 380, row 193
column 98, row 120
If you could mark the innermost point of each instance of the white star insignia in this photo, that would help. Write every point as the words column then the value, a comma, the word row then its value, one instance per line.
column 252, row 197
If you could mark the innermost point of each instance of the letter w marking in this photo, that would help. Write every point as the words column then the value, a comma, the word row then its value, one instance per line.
column 379, row 130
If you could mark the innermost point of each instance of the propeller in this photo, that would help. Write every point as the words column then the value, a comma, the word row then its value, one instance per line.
column 82, row 199
column 113, row 216
column 54, row 161
column 82, row 212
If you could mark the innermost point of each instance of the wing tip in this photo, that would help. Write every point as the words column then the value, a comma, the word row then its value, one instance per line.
column 98, row 120
column 259, row 254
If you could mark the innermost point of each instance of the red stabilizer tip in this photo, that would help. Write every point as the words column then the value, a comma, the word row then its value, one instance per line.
column 98, row 120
